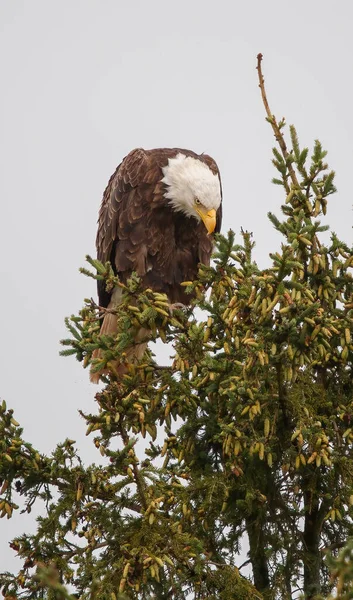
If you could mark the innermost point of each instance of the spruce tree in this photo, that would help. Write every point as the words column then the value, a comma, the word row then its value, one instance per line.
column 248, row 432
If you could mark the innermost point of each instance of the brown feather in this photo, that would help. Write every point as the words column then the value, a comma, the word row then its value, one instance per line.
column 138, row 231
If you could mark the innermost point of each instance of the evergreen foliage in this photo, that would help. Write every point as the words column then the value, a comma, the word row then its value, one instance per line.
column 249, row 431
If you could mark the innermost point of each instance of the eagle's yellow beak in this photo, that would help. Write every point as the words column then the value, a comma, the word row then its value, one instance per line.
column 209, row 218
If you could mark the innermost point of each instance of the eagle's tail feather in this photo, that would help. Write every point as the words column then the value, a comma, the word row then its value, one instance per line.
column 110, row 327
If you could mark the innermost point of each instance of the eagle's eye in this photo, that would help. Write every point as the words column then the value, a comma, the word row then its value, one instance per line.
column 197, row 201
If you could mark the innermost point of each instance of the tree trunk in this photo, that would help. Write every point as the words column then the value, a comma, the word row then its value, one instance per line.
column 257, row 553
column 312, row 557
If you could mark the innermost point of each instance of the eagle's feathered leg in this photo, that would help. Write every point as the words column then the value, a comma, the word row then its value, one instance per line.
column 110, row 327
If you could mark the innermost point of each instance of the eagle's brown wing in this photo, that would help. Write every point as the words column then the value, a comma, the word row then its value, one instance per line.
column 121, row 232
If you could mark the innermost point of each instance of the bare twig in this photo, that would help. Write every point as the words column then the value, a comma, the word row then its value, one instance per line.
column 82, row 549
column 332, row 547
column 247, row 562
column 276, row 130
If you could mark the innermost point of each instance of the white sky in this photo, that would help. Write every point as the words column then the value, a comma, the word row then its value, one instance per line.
column 85, row 81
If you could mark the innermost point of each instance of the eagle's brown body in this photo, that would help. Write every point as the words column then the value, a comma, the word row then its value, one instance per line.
column 138, row 230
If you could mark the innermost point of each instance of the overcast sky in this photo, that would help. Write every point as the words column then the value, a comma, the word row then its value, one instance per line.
column 85, row 81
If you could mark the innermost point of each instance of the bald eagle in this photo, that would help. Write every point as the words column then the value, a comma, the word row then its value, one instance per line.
column 157, row 217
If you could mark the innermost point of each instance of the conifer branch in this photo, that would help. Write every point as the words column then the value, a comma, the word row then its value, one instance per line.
column 137, row 475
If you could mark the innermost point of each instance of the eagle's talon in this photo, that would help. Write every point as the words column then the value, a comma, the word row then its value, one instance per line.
column 176, row 306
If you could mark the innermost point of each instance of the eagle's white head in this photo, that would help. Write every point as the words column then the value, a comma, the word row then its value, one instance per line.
column 193, row 189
